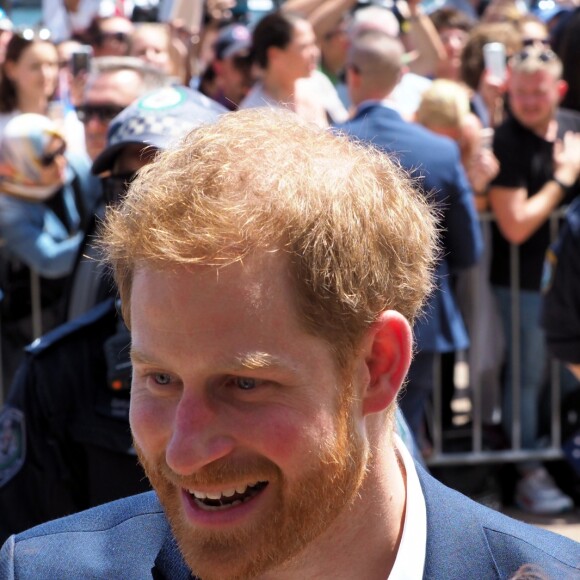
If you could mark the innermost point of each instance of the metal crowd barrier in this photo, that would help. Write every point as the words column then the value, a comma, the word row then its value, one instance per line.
column 478, row 454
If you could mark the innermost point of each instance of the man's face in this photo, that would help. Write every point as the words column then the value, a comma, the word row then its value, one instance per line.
column 300, row 57
column 453, row 40
column 153, row 48
column 128, row 161
column 334, row 48
column 105, row 97
column 534, row 98
column 115, row 36
column 245, row 427
column 234, row 78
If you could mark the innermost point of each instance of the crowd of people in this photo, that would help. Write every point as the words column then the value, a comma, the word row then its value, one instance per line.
column 477, row 102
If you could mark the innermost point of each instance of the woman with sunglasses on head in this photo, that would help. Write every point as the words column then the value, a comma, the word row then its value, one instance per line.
column 155, row 44
column 41, row 226
column 29, row 79
column 29, row 75
column 109, row 35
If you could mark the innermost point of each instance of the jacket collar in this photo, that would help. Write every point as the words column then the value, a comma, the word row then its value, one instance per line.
column 367, row 107
column 457, row 546
column 169, row 564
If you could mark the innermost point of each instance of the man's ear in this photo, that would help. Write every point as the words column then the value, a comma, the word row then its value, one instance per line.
column 562, row 89
column 388, row 359
column 273, row 52
column 9, row 67
column 218, row 66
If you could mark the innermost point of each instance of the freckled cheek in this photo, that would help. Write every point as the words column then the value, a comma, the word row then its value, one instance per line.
column 151, row 422
column 290, row 442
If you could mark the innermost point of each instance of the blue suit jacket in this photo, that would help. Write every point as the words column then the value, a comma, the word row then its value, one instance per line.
column 130, row 539
column 435, row 162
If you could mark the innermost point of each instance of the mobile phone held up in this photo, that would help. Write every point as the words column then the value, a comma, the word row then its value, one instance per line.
column 80, row 61
column 494, row 58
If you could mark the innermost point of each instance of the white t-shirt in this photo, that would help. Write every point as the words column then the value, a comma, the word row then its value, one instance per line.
column 62, row 23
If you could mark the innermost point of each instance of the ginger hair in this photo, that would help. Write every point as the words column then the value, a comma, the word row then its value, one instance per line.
column 357, row 236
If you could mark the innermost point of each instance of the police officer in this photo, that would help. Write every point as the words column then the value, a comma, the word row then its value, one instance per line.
column 65, row 443
column 561, row 321
column 561, row 308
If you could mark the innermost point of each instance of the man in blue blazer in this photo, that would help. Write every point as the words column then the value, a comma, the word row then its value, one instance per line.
column 374, row 68
column 270, row 293
column 131, row 539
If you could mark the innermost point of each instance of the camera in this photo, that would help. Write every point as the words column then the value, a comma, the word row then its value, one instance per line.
column 80, row 61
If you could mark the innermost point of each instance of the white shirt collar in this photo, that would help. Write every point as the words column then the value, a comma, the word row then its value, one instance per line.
column 410, row 560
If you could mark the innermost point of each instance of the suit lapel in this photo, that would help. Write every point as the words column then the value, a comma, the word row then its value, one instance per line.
column 169, row 564
column 457, row 546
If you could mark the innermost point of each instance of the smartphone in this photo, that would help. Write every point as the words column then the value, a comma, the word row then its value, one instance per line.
column 80, row 61
column 494, row 58
column 486, row 135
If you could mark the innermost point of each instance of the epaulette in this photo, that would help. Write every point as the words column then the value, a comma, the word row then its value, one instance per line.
column 69, row 328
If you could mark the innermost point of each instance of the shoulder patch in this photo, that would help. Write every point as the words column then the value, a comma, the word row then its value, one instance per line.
column 12, row 443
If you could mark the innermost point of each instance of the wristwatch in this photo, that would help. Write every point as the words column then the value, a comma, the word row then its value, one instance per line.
column 565, row 188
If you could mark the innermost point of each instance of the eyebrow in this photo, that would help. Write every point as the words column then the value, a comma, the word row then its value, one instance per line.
column 258, row 361
column 245, row 362
column 141, row 357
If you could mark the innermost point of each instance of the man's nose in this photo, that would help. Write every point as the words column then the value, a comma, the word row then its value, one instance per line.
column 199, row 436
column 315, row 52
column 150, row 55
column 94, row 125
column 455, row 42
column 47, row 72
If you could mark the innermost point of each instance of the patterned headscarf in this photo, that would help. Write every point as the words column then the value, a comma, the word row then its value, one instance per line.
column 22, row 145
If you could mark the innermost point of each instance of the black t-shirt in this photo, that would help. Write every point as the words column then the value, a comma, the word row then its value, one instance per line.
column 526, row 160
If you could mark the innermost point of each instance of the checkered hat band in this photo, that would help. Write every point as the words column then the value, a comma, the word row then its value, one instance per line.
column 138, row 128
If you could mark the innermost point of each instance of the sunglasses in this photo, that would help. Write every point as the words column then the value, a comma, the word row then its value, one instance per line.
column 115, row 186
column 531, row 53
column 48, row 158
column 104, row 113
column 120, row 37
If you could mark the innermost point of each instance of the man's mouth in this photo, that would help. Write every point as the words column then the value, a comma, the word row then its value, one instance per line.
column 227, row 498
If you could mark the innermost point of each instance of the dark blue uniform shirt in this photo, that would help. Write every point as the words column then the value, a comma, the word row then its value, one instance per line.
column 561, row 286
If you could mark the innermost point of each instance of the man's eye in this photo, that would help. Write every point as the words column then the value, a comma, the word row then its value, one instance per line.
column 245, row 383
column 162, row 378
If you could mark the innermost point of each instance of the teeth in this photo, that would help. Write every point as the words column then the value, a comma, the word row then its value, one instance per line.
column 219, row 494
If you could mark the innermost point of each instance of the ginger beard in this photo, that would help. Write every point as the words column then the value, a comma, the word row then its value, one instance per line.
column 302, row 509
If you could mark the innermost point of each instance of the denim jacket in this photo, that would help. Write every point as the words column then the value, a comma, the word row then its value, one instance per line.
column 34, row 234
